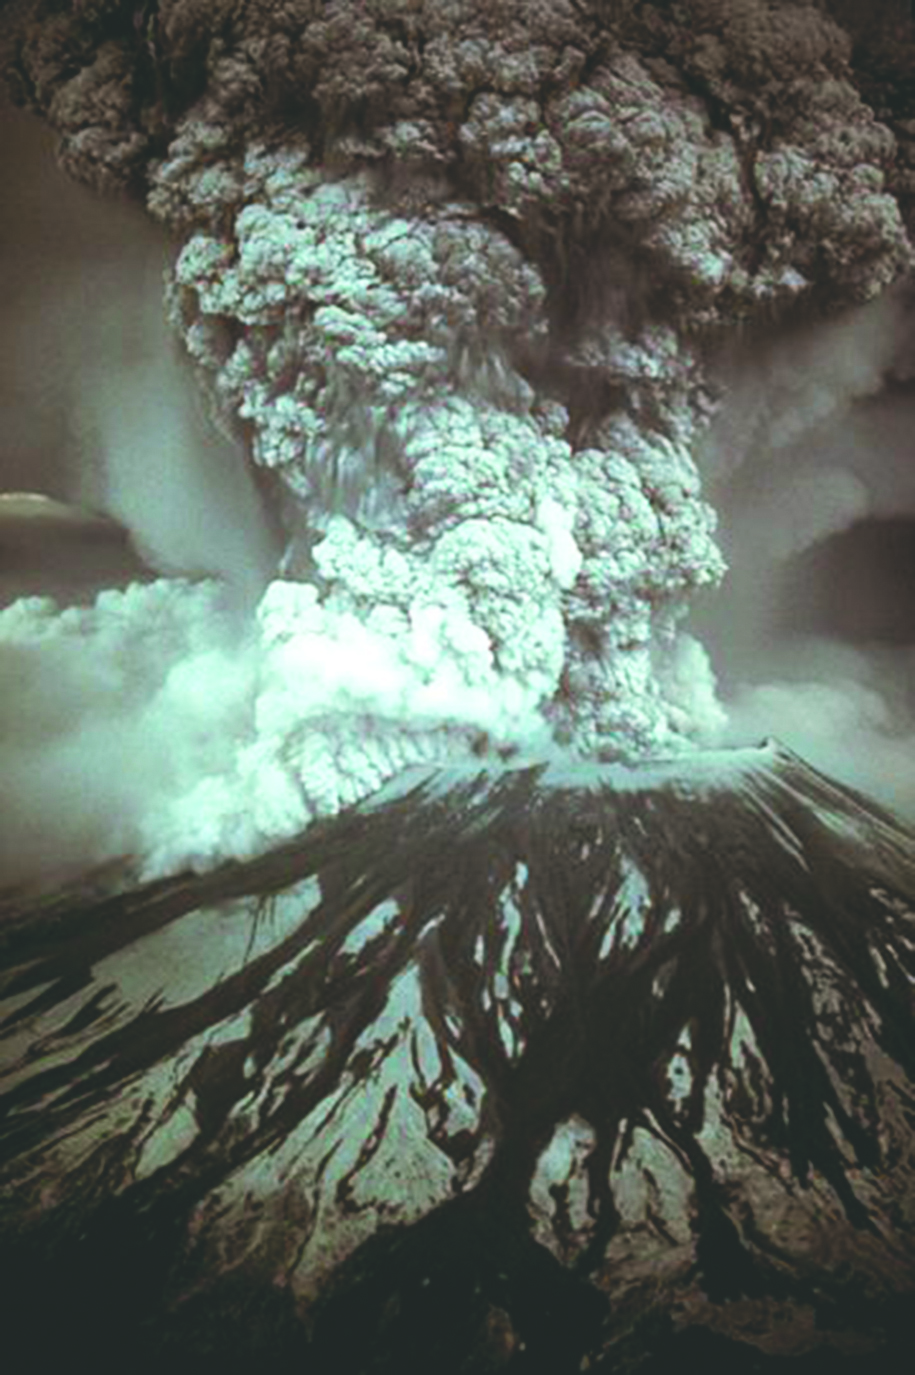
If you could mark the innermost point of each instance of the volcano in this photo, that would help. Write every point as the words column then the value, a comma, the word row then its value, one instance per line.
column 528, row 1068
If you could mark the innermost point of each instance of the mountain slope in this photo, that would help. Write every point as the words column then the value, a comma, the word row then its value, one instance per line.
column 503, row 1068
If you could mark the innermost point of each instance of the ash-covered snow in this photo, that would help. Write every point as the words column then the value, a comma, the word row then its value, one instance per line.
column 488, row 1017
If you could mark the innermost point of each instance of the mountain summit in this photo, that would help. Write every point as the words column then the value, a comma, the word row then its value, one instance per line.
column 528, row 1068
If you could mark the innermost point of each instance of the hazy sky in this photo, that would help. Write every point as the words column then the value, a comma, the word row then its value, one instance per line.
column 98, row 405
column 811, row 467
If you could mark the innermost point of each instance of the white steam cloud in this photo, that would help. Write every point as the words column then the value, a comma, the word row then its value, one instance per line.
column 105, row 712
column 155, row 723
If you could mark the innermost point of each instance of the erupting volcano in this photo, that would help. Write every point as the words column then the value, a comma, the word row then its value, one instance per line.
column 440, row 439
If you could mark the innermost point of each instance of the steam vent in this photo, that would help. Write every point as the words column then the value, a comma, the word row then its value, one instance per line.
column 514, row 1069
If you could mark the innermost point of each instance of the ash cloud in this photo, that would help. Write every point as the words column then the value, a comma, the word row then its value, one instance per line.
column 165, row 723
column 393, row 253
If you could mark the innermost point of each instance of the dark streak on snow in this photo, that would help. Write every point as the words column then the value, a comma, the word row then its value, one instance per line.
column 594, row 1032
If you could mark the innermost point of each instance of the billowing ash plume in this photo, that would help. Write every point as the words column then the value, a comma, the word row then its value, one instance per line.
column 428, row 483
column 453, row 281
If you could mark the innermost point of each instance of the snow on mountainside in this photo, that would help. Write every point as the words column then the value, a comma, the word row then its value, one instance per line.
column 491, row 1071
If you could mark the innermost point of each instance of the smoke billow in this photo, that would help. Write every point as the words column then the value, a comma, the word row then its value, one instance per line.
column 109, row 712
column 196, row 718
column 813, row 441
column 178, row 721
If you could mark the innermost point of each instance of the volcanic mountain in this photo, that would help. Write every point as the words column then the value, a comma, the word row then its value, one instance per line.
column 528, row 1068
